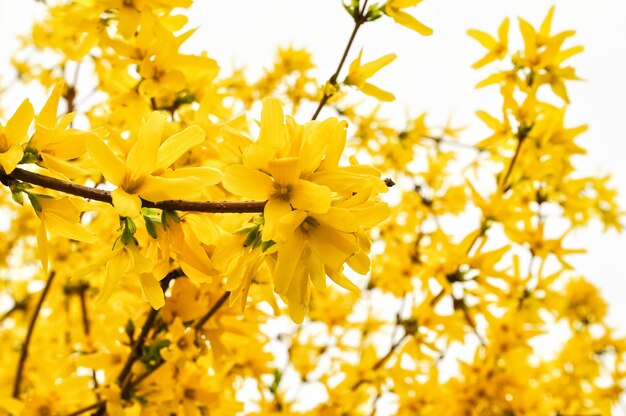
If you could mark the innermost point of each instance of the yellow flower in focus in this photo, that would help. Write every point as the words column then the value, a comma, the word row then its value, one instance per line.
column 14, row 135
column 144, row 173
column 275, row 172
column 359, row 73
column 496, row 49
column 310, row 247
column 393, row 8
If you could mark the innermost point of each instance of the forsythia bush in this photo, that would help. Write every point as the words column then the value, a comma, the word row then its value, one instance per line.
column 181, row 241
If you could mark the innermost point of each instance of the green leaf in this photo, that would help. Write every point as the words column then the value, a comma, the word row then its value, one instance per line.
column 150, row 227
column 151, row 354
column 252, row 236
column 34, row 201
column 277, row 377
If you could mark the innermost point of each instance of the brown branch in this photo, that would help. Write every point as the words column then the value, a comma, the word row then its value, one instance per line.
column 197, row 326
column 31, row 327
column 82, row 289
column 383, row 359
column 105, row 196
column 216, row 306
column 359, row 20
column 123, row 379
column 520, row 142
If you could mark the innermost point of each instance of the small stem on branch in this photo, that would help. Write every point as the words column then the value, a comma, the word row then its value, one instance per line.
column 31, row 327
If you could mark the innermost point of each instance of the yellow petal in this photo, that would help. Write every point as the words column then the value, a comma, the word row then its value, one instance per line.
column 152, row 290
column 275, row 211
column 409, row 21
column 142, row 157
column 60, row 226
column 503, row 32
column 310, row 196
column 356, row 64
column 484, row 38
column 491, row 122
column 317, row 273
column 339, row 278
column 487, row 59
column 401, row 4
column 48, row 115
column 273, row 130
column 11, row 158
column 547, row 23
column 332, row 247
column 248, row 183
column 285, row 171
column 376, row 92
column 16, row 130
column 177, row 145
column 288, row 259
column 373, row 67
column 127, row 205
column 316, row 139
column 207, row 175
column 115, row 269
column 110, row 165
column 156, row 188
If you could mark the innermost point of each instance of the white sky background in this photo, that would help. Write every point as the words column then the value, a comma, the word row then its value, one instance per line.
column 431, row 74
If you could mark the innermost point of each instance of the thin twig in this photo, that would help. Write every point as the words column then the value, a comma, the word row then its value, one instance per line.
column 216, row 306
column 105, row 196
column 520, row 142
column 359, row 20
column 124, row 377
column 87, row 329
column 382, row 360
column 31, row 327
column 197, row 326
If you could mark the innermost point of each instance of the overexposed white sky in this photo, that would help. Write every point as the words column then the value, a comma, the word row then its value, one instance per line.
column 431, row 74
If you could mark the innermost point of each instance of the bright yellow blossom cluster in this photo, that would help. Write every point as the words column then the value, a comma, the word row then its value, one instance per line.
column 168, row 254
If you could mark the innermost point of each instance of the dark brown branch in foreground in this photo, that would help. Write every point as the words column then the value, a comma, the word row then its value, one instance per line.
column 358, row 22
column 105, row 196
column 31, row 327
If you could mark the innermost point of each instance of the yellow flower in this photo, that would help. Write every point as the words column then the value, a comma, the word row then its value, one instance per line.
column 359, row 73
column 310, row 247
column 60, row 217
column 393, row 8
column 14, row 135
column 144, row 174
column 57, row 146
column 496, row 49
column 282, row 180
